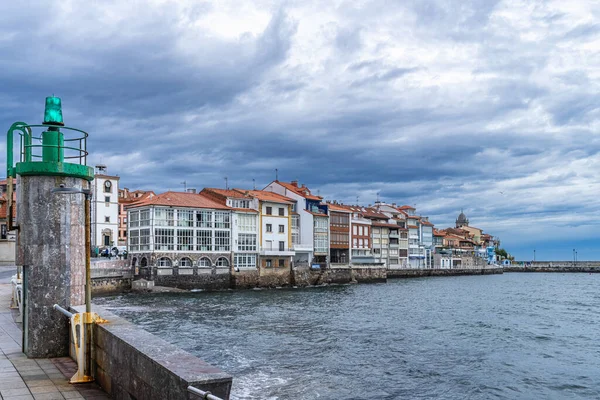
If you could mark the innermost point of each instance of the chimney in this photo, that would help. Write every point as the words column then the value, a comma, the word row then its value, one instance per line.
column 295, row 183
column 190, row 190
column 302, row 185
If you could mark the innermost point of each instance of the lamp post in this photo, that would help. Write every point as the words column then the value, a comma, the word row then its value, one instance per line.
column 533, row 255
column 88, row 319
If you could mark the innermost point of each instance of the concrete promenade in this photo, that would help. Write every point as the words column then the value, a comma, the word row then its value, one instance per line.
column 23, row 378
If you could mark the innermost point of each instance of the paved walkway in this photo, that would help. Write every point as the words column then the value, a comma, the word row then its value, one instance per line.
column 24, row 378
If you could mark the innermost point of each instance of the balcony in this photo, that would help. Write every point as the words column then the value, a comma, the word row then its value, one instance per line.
column 304, row 247
column 394, row 235
column 394, row 245
column 267, row 251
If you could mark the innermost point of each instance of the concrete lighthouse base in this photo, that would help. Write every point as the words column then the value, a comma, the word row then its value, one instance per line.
column 51, row 249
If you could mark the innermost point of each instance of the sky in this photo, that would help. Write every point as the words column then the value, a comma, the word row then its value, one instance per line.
column 491, row 107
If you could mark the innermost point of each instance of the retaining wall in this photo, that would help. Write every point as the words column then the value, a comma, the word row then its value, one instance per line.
column 417, row 273
column 131, row 363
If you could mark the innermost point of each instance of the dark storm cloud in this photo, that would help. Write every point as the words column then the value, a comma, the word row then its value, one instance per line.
column 484, row 105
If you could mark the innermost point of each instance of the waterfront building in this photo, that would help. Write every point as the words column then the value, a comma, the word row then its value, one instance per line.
column 179, row 233
column 104, row 209
column 396, row 217
column 310, row 222
column 245, row 226
column 339, row 233
column 275, row 233
column 127, row 198
column 361, row 236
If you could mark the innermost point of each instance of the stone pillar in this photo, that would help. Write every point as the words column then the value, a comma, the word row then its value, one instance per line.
column 51, row 249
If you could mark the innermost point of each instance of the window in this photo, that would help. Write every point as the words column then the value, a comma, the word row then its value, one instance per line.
column 222, row 262
column 339, row 219
column 107, row 200
column 376, row 251
column 164, row 262
column 281, row 246
column 268, row 263
column 240, row 203
column 204, row 262
column 222, row 241
column 134, row 240
column 354, row 230
column 321, row 224
column 164, row 239
column 106, row 219
column 281, row 262
column 269, row 245
column 281, row 229
column 269, row 228
column 164, row 217
column 134, row 218
column 354, row 242
column 376, row 230
column 281, row 211
column 246, row 242
column 246, row 223
column 204, row 240
column 144, row 239
column 107, row 187
column 185, row 262
column 245, row 260
column 185, row 240
column 185, row 218
column 204, row 219
column 145, row 218
column 222, row 219
column 321, row 244
column 360, row 243
column 269, row 210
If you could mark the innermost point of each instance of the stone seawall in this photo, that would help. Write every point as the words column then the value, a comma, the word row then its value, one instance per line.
column 110, row 276
column 131, row 363
column 549, row 268
column 417, row 273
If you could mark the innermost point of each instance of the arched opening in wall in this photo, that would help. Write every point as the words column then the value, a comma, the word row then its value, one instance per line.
column 134, row 261
column 204, row 263
column 164, row 262
column 185, row 262
column 222, row 262
column 107, row 237
column 144, row 262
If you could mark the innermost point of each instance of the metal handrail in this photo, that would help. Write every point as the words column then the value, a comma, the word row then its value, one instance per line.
column 205, row 395
column 62, row 310
column 27, row 147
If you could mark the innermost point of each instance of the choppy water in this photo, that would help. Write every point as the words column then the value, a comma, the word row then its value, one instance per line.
column 511, row 336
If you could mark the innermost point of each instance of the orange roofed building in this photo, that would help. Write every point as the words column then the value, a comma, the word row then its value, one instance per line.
column 177, row 233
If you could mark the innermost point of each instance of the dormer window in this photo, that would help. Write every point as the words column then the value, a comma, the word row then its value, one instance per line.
column 107, row 186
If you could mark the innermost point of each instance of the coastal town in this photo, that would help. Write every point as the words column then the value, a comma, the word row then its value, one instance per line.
column 173, row 236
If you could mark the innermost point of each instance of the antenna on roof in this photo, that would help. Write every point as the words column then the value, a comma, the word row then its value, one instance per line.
column 318, row 192
column 356, row 200
column 276, row 174
column 226, row 184
column 378, row 197
column 184, row 183
column 253, row 184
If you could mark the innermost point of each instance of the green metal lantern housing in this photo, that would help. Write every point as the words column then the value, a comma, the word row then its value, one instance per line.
column 53, row 112
column 58, row 144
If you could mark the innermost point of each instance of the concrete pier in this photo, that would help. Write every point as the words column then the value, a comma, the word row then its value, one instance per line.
column 51, row 249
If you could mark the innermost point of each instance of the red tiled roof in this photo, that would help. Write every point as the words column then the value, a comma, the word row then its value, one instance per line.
column 236, row 193
column 373, row 213
column 301, row 191
column 4, row 206
column 426, row 223
column 268, row 196
column 337, row 207
column 317, row 214
column 180, row 199
column 406, row 208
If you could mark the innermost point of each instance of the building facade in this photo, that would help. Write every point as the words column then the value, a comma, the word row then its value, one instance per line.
column 104, row 209
column 310, row 239
column 179, row 233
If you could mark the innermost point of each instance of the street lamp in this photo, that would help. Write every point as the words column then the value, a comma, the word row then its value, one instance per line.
column 533, row 255
column 88, row 275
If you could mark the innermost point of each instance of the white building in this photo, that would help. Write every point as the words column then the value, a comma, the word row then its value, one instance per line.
column 310, row 223
column 245, row 226
column 184, row 230
column 104, row 209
